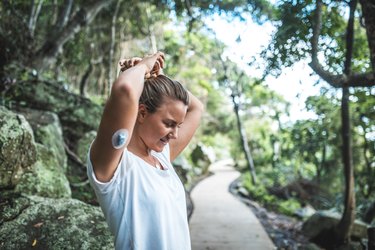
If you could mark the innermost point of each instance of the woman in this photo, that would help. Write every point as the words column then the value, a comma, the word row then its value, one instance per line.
column 146, row 123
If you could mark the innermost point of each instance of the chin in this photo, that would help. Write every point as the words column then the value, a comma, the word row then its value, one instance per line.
column 159, row 148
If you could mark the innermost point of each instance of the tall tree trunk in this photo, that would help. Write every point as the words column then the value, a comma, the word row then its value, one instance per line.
column 244, row 142
column 63, row 15
column 83, row 83
column 47, row 54
column 35, row 10
column 112, row 47
column 368, row 10
column 370, row 214
column 151, row 34
column 322, row 164
column 344, row 226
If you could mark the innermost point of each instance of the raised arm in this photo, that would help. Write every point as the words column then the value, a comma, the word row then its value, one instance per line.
column 120, row 113
column 188, row 127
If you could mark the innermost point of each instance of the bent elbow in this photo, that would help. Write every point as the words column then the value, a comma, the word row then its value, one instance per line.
column 123, row 89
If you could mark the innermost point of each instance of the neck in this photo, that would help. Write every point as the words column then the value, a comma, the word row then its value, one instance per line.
column 137, row 146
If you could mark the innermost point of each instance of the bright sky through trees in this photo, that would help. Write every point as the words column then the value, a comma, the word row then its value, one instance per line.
column 245, row 41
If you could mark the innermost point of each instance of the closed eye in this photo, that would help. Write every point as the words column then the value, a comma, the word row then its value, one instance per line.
column 172, row 124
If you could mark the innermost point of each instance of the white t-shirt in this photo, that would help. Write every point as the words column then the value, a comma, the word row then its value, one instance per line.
column 145, row 207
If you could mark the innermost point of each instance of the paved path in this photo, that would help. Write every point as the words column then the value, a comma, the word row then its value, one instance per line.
column 220, row 221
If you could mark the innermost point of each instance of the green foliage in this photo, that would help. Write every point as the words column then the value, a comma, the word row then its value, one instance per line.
column 282, row 152
column 289, row 207
column 291, row 40
column 289, row 43
column 260, row 194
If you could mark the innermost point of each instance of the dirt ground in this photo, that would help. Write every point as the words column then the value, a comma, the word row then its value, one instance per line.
column 283, row 230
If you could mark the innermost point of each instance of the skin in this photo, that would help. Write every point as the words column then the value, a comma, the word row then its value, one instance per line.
column 154, row 130
column 173, row 122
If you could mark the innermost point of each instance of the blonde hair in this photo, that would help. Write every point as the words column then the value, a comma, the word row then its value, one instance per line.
column 156, row 89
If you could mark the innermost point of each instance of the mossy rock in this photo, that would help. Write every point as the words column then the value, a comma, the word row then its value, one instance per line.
column 47, row 131
column 201, row 158
column 56, row 224
column 77, row 114
column 47, row 178
column 17, row 148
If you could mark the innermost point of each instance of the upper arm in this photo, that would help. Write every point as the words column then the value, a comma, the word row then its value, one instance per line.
column 188, row 127
column 120, row 112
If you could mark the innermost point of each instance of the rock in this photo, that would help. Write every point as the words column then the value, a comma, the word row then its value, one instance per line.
column 47, row 223
column 305, row 212
column 11, row 205
column 47, row 131
column 324, row 220
column 84, row 144
column 17, row 148
column 77, row 114
column 182, row 167
column 202, row 157
column 47, row 177
column 242, row 191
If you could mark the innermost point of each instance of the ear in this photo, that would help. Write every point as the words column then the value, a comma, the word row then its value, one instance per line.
column 142, row 113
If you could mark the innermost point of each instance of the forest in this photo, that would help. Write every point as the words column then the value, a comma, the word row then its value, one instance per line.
column 59, row 59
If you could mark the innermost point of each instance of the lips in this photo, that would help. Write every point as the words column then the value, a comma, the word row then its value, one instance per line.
column 164, row 140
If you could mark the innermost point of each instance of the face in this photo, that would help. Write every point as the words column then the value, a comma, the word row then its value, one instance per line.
column 158, row 128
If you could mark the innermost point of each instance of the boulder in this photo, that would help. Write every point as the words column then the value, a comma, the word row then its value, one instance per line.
column 48, row 132
column 324, row 220
column 47, row 177
column 77, row 114
column 17, row 148
column 202, row 157
column 183, row 168
column 46, row 223
column 29, row 167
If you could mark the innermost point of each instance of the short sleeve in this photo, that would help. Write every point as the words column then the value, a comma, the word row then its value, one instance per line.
column 103, row 187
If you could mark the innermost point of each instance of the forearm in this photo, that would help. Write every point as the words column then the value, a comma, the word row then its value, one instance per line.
column 195, row 105
column 188, row 127
column 130, row 83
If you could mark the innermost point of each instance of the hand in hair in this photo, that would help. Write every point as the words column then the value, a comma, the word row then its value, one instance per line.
column 128, row 63
column 156, row 68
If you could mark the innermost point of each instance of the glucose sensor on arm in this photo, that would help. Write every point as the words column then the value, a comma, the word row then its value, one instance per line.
column 120, row 138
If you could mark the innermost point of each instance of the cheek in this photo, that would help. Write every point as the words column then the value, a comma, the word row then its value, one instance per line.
column 155, row 129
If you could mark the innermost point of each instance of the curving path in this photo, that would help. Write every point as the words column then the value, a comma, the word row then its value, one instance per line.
column 220, row 221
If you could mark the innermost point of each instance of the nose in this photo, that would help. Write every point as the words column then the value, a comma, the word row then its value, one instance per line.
column 174, row 133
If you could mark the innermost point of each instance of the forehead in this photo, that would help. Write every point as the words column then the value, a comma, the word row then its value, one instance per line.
column 172, row 109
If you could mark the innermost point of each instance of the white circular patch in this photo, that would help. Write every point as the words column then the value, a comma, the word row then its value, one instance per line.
column 120, row 138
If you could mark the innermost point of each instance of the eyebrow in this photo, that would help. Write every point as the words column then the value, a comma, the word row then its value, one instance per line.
column 172, row 121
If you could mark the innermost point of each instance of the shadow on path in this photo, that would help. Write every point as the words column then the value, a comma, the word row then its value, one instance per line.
column 220, row 221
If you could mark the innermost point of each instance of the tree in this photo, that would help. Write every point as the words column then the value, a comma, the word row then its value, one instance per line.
column 311, row 29
column 368, row 9
column 234, row 80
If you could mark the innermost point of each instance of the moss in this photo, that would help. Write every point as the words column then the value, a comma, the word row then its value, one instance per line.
column 47, row 178
column 17, row 147
column 47, row 131
column 289, row 206
column 11, row 205
column 57, row 224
